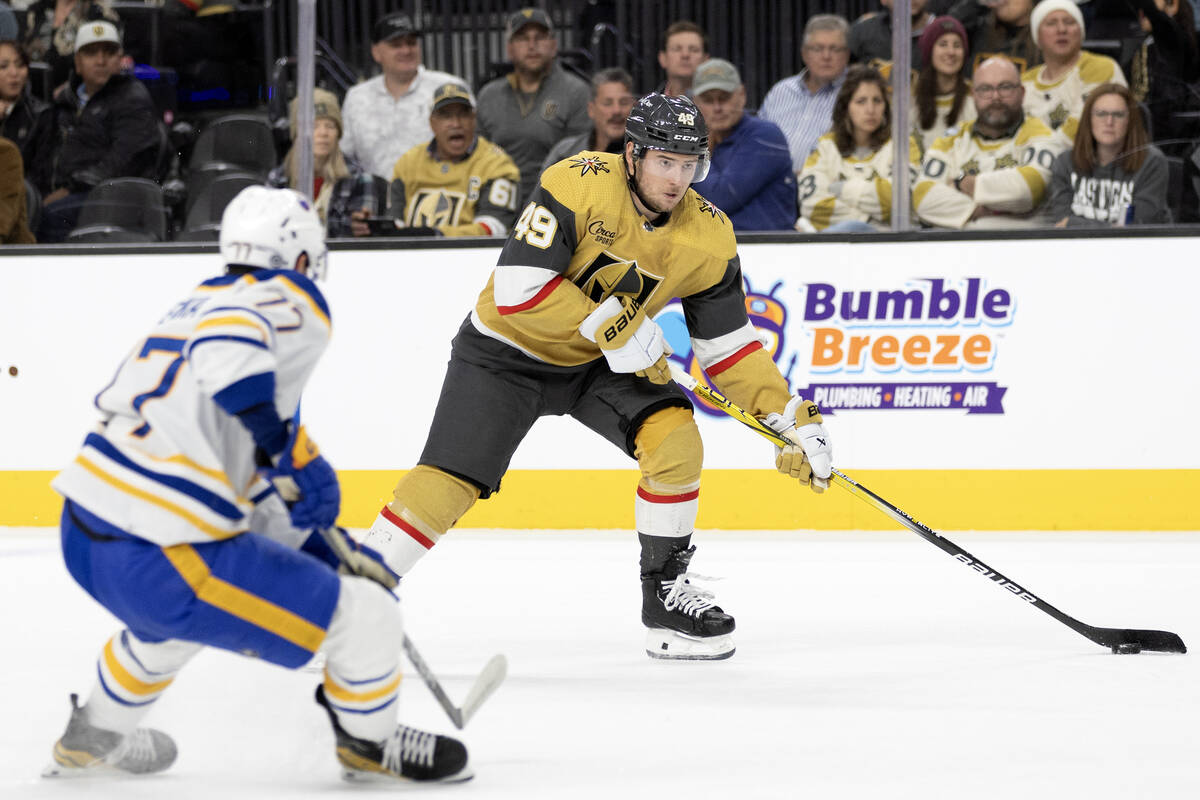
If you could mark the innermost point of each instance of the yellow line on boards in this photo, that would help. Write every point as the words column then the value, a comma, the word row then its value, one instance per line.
column 764, row 500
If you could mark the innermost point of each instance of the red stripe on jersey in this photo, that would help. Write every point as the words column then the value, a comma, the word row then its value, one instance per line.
column 727, row 362
column 533, row 301
column 487, row 229
column 650, row 497
column 420, row 538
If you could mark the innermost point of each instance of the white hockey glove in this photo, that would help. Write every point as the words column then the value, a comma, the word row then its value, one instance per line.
column 810, row 458
column 629, row 340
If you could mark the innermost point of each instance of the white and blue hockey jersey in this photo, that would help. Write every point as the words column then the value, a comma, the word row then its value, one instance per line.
column 167, row 463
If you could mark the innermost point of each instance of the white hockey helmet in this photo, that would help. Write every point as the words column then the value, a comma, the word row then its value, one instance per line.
column 269, row 229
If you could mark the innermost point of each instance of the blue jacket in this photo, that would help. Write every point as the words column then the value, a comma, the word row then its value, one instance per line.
column 751, row 177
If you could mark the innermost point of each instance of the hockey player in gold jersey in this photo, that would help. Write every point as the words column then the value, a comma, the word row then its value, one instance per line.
column 458, row 183
column 564, row 326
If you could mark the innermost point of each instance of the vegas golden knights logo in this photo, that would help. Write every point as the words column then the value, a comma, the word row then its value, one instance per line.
column 608, row 275
column 435, row 207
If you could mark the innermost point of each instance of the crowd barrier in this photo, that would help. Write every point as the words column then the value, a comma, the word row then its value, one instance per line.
column 980, row 384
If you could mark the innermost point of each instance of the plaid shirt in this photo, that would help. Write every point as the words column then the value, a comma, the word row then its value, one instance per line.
column 803, row 116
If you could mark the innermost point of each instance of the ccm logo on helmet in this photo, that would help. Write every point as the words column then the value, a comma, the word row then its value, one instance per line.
column 681, row 138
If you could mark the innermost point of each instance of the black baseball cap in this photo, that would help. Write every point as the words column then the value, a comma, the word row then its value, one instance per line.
column 450, row 93
column 528, row 16
column 393, row 25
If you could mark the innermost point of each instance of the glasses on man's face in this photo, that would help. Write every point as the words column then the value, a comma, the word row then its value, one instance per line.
column 1115, row 116
column 825, row 49
column 987, row 90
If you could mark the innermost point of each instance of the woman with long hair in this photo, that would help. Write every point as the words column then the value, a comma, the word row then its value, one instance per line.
column 1112, row 176
column 340, row 185
column 942, row 94
column 27, row 120
column 846, row 183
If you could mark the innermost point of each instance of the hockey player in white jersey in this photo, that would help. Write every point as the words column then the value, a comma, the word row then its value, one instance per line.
column 172, row 521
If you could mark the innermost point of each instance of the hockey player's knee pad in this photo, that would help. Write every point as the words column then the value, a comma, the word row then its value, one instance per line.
column 436, row 498
column 669, row 450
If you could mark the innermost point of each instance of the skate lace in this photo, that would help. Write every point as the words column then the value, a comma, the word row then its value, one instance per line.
column 136, row 748
column 408, row 745
column 687, row 597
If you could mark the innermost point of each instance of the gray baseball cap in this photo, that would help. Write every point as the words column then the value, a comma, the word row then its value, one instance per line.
column 716, row 73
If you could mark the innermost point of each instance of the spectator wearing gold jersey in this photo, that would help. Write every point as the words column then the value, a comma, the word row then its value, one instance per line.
column 942, row 93
column 459, row 184
column 1056, row 90
column 846, row 183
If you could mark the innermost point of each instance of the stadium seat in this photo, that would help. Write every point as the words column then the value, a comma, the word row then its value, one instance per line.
column 238, row 143
column 205, row 209
column 122, row 210
column 1175, row 187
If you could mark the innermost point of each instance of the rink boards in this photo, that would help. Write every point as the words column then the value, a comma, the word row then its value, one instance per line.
column 993, row 385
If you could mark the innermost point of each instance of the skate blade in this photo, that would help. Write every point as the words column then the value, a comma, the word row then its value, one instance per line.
column 668, row 645
column 62, row 772
column 399, row 781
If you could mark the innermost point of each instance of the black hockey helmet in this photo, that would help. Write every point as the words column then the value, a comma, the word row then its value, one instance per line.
column 670, row 124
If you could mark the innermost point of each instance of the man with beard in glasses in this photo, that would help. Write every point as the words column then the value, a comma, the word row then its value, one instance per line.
column 993, row 172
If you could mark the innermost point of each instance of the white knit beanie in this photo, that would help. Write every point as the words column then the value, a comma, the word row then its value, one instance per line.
column 1042, row 9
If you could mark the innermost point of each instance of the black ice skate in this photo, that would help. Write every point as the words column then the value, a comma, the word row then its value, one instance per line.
column 86, row 749
column 682, row 620
column 407, row 755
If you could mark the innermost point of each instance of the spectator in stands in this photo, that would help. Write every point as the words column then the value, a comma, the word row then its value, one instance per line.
column 684, row 46
column 27, row 120
column 846, row 184
column 870, row 38
column 802, row 105
column 1112, row 176
column 50, row 29
column 612, row 100
column 999, row 27
column 1055, row 91
column 750, row 174
column 387, row 115
column 109, row 129
column 340, row 184
column 14, row 218
column 458, row 184
column 942, row 95
column 993, row 172
column 538, row 104
column 1165, row 70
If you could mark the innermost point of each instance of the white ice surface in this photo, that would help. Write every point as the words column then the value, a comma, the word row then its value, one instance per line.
column 868, row 666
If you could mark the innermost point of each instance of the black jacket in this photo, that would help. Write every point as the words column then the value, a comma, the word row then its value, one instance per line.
column 30, row 125
column 115, row 135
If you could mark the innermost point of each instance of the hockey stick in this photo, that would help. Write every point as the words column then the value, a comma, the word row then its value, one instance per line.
column 486, row 682
column 1120, row 640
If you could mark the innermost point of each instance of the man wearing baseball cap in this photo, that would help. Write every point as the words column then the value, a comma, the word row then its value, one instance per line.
column 537, row 104
column 457, row 184
column 118, row 136
column 387, row 115
column 1055, row 91
column 750, row 177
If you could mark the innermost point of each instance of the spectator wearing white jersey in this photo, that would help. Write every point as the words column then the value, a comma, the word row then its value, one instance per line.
column 388, row 115
column 802, row 105
column 1056, row 90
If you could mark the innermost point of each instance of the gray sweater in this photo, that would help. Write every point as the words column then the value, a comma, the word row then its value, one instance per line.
column 1099, row 199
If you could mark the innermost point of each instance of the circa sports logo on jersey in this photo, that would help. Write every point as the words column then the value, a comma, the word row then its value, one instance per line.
column 601, row 234
column 589, row 165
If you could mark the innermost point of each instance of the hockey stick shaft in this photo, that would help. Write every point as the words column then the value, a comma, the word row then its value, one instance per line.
column 485, row 683
column 1163, row 641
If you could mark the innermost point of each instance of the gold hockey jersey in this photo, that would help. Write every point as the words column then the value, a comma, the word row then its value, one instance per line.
column 834, row 188
column 473, row 197
column 1055, row 103
column 1011, row 176
column 580, row 239
column 927, row 136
